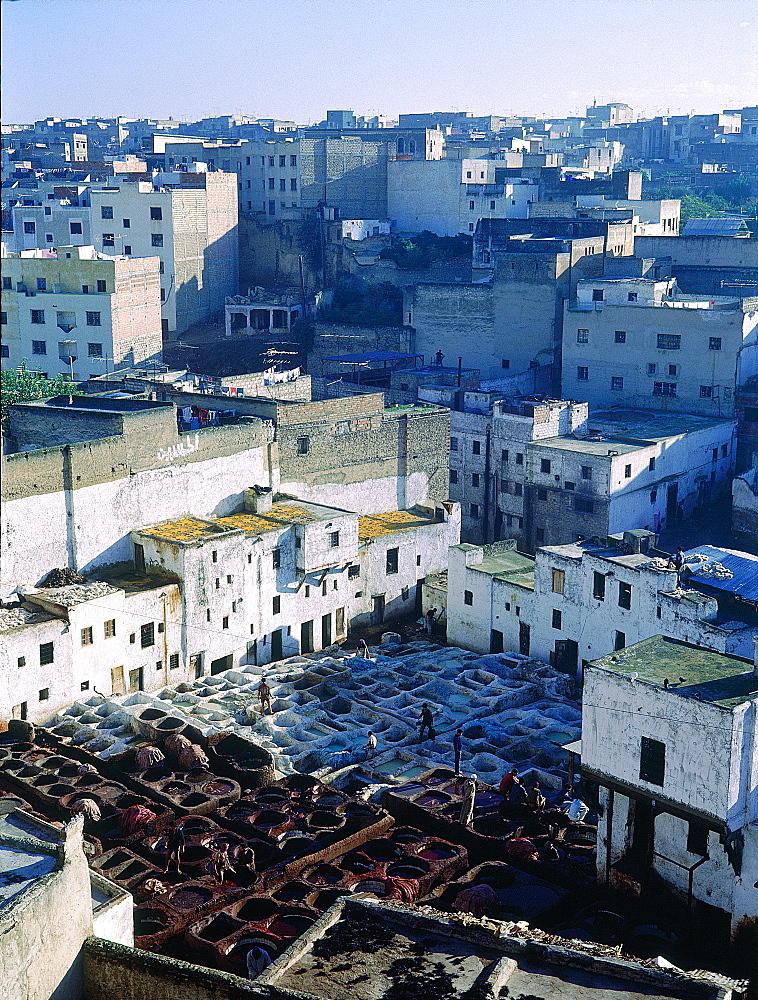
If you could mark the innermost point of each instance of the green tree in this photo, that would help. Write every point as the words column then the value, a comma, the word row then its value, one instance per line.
column 22, row 385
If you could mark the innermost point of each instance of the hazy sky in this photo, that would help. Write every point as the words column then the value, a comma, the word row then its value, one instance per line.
column 293, row 59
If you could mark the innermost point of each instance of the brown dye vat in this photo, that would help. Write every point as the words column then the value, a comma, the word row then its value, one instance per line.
column 492, row 826
column 380, row 850
column 195, row 854
column 87, row 781
column 176, row 788
column 270, row 818
column 29, row 771
column 404, row 836
column 69, row 770
column 191, row 897
column 238, row 951
column 220, row 927
column 408, row 869
column 357, row 865
column 46, row 780
column 168, row 725
column 110, row 791
column 159, row 772
column 132, row 870
column 116, row 859
column 436, row 851
column 297, row 846
column 433, row 800
column 257, row 909
column 373, row 885
column 325, row 898
column 218, row 787
column 292, row 892
column 325, row 821
column 290, row 925
column 58, row 791
column 151, row 714
column 194, row 799
column 272, row 797
column 148, row 921
column 301, row 782
column 328, row 801
column 327, row 874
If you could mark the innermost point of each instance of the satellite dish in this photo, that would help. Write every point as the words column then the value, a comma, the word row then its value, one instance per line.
column 635, row 675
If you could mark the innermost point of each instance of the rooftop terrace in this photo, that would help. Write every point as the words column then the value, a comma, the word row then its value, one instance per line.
column 717, row 678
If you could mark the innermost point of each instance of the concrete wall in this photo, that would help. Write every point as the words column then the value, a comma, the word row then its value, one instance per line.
column 457, row 319
column 39, row 959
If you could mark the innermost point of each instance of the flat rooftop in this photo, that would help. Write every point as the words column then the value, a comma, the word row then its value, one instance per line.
column 649, row 425
column 184, row 530
column 16, row 618
column 22, row 866
column 717, row 678
column 740, row 576
column 374, row 525
column 75, row 593
column 510, row 567
column 281, row 515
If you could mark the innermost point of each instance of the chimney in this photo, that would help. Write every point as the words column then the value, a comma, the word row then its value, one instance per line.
column 258, row 499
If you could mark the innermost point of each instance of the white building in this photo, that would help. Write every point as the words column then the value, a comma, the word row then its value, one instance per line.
column 642, row 341
column 105, row 312
column 449, row 197
column 362, row 229
column 573, row 603
column 669, row 735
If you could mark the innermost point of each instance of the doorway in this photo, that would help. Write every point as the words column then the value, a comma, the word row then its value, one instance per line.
column 136, row 679
column 276, row 645
column 642, row 829
column 339, row 621
column 326, row 631
column 306, row 637
column 496, row 641
column 377, row 613
column 222, row 663
column 672, row 494
column 524, row 638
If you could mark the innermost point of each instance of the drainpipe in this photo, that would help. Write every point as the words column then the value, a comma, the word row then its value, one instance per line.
column 487, row 484
column 608, row 838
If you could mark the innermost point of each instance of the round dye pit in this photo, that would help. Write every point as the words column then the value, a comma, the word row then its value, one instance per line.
column 292, row 892
column 436, row 852
column 326, row 874
column 257, row 910
column 290, row 925
column 191, row 898
column 148, row 922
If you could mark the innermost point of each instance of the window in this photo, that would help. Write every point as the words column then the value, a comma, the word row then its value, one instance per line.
column 147, row 635
column 101, row 285
column 714, row 343
column 109, row 240
column 93, row 319
column 598, row 586
column 631, row 297
column 156, row 239
column 86, row 634
column 282, row 184
column 7, row 282
column 39, row 347
column 156, row 213
column 41, row 284
column 453, row 444
column 724, row 450
column 471, row 205
column 627, row 472
column 597, row 295
column 476, row 447
column 542, row 494
column 664, row 388
column 617, row 383
column 697, row 839
column 44, row 694
column 45, row 653
column 276, row 558
column 334, row 539
column 625, row 595
column 106, row 211
column 569, row 485
column 539, row 535
column 669, row 341
column 293, row 161
column 544, row 465
column 505, row 486
column 126, row 223
column 127, row 249
column 584, row 506
column 586, row 472
column 652, row 760
column 475, row 479
column 48, row 237
column 653, row 496
column 225, row 621
column 582, row 373
column 303, row 445
column 651, row 369
column 559, row 578
column 557, row 618
column 392, row 561
column 474, row 510
column 504, row 455
column 468, row 598
column 706, row 391
column 353, row 572
column 38, row 317
column 619, row 640
column 21, row 661
column 519, row 458
column 276, row 605
column 293, row 184
column 5, row 351
column 109, row 628
column 95, row 350
column 582, row 336
column 30, row 227
column 518, row 489
column 229, row 578
column 75, row 228
column 505, row 363
column 453, row 475
column 214, row 556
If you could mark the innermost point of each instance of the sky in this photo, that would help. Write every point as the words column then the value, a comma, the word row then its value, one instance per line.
column 294, row 59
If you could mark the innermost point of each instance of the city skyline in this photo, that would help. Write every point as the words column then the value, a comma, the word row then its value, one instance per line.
column 294, row 60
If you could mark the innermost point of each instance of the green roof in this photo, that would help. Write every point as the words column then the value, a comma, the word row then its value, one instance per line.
column 509, row 566
column 717, row 678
